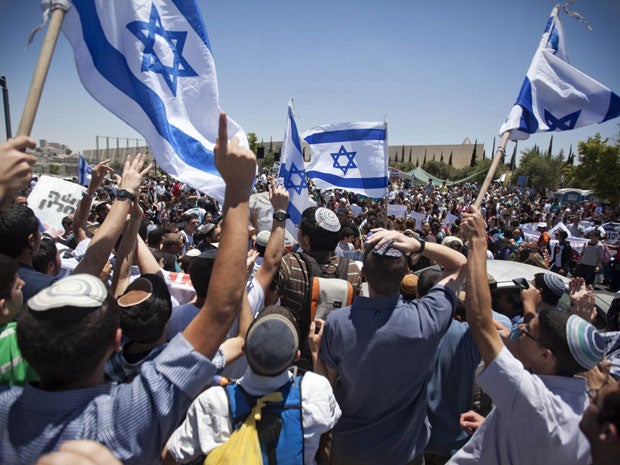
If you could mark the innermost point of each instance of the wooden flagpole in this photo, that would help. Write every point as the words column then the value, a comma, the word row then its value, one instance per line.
column 487, row 181
column 40, row 72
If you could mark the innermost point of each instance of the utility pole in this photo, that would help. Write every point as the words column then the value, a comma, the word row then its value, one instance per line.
column 7, row 111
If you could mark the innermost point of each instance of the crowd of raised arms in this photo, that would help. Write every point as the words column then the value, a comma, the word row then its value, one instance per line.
column 370, row 338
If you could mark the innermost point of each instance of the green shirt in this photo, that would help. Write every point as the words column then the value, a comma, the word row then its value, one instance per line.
column 14, row 370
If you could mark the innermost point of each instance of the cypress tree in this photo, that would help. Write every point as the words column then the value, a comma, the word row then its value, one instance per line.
column 473, row 155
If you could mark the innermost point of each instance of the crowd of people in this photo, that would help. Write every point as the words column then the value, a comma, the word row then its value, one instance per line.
column 374, row 339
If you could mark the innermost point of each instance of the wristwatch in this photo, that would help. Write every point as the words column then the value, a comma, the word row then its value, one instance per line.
column 422, row 246
column 281, row 216
column 125, row 194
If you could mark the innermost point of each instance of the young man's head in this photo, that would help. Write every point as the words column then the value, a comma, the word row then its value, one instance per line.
column 67, row 330
column 561, row 235
column 200, row 272
column 347, row 235
column 19, row 232
column 262, row 239
column 172, row 243
column 594, row 236
column 550, row 286
column 11, row 297
column 558, row 343
column 155, row 238
column 272, row 341
column 384, row 269
column 47, row 261
column 191, row 223
column 145, row 308
column 319, row 230
column 600, row 424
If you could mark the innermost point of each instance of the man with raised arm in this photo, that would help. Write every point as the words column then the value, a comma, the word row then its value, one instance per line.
column 68, row 331
column 538, row 401
column 378, row 353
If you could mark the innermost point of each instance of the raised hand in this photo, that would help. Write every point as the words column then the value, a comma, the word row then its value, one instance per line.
column 15, row 166
column 98, row 174
column 236, row 164
column 278, row 196
column 133, row 174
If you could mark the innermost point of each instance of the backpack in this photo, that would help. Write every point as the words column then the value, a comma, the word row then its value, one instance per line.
column 329, row 287
column 280, row 427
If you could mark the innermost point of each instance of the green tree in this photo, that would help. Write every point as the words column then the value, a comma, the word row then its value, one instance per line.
column 544, row 171
column 599, row 168
column 253, row 141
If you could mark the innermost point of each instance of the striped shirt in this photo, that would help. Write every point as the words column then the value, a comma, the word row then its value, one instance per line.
column 14, row 370
column 133, row 420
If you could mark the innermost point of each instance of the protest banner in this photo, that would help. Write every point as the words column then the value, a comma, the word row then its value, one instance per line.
column 397, row 210
column 51, row 200
column 612, row 232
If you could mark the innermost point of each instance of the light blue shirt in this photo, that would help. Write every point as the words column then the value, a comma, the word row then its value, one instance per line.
column 133, row 420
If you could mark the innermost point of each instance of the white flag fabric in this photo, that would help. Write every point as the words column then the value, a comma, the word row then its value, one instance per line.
column 150, row 63
column 84, row 171
column 349, row 156
column 555, row 96
column 293, row 173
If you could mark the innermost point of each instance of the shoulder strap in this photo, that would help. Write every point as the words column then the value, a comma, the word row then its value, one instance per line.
column 343, row 268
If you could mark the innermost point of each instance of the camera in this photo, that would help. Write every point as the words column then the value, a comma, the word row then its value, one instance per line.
column 522, row 283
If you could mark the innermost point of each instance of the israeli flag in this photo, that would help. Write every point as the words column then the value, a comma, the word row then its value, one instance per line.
column 556, row 96
column 84, row 171
column 293, row 172
column 150, row 63
column 349, row 156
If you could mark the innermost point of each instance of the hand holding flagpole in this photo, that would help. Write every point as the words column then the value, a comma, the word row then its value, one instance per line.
column 43, row 65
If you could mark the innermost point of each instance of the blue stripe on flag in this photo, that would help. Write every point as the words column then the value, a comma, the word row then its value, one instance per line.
column 112, row 65
column 340, row 182
column 614, row 108
column 294, row 133
column 346, row 135
column 294, row 212
column 188, row 9
column 528, row 122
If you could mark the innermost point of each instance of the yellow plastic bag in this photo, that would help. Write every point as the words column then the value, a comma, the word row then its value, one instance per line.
column 243, row 447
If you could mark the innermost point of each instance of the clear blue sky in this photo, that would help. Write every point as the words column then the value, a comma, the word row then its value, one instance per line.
column 440, row 71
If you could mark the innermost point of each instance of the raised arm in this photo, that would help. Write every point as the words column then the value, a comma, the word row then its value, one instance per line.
column 126, row 253
column 15, row 168
column 478, row 302
column 452, row 262
column 273, row 252
column 108, row 233
column 237, row 165
column 83, row 207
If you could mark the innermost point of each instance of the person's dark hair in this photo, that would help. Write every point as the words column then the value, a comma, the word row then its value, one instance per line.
column 47, row 254
column 146, row 321
column 346, row 232
column 8, row 273
column 200, row 273
column 611, row 407
column 320, row 239
column 190, row 217
column 435, row 227
column 16, row 224
column 552, row 324
column 66, row 222
column 65, row 345
column 563, row 234
column 428, row 278
column 154, row 238
column 547, row 295
column 384, row 273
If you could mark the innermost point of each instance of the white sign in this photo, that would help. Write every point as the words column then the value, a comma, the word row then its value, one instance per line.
column 397, row 210
column 612, row 232
column 356, row 209
column 450, row 219
column 419, row 218
column 52, row 199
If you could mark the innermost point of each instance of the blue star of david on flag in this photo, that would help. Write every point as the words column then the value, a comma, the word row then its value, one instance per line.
column 553, row 87
column 294, row 174
column 566, row 123
column 148, row 33
column 349, row 155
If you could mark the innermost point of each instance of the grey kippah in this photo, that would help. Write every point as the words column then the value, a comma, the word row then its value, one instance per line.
column 78, row 290
column 271, row 344
column 387, row 250
column 554, row 283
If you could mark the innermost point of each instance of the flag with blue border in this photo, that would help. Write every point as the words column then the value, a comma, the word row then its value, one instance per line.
column 293, row 172
column 151, row 64
column 349, row 156
column 84, row 171
column 555, row 96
